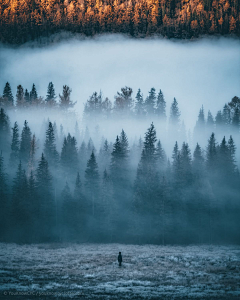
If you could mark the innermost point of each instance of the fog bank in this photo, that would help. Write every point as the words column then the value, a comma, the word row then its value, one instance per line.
column 204, row 72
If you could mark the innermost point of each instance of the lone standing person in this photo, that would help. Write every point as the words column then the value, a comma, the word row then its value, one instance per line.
column 120, row 259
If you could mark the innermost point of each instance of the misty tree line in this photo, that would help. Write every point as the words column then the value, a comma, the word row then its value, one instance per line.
column 154, row 106
column 81, row 194
column 31, row 99
column 22, row 21
column 124, row 106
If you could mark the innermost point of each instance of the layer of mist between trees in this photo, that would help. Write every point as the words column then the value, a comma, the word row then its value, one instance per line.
column 135, row 187
column 109, row 62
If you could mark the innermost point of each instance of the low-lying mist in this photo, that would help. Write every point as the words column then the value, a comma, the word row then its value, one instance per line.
column 204, row 72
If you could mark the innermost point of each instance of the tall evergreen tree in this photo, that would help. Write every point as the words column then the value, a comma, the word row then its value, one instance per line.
column 33, row 93
column 161, row 157
column 50, row 150
column 4, row 131
column 236, row 119
column 69, row 154
column 51, row 96
column 20, row 98
column 226, row 115
column 14, row 156
column 32, row 161
column 147, row 190
column 232, row 158
column 198, row 162
column 65, row 100
column 119, row 167
column 186, row 163
column 7, row 95
column 139, row 104
column 92, row 182
column 210, row 122
column 25, row 144
column 174, row 114
column 161, row 106
column 27, row 96
column 150, row 102
column 123, row 102
column 199, row 128
column 146, row 180
column 219, row 121
column 104, row 156
column 211, row 155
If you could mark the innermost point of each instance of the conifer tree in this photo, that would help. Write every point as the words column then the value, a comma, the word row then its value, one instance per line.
column 119, row 167
column 150, row 102
column 92, row 181
column 226, row 115
column 198, row 162
column 186, row 163
column 161, row 106
column 174, row 114
column 20, row 98
column 219, row 121
column 123, row 102
column 50, row 150
column 176, row 165
column 161, row 157
column 4, row 131
column 32, row 161
column 90, row 147
column 8, row 96
column 33, row 93
column 27, row 96
column 69, row 154
column 211, row 155
column 236, row 119
column 65, row 100
column 14, row 156
column 146, row 180
column 199, row 130
column 139, row 104
column 25, row 144
column 232, row 159
column 82, row 155
column 224, row 158
column 51, row 96
column 104, row 156
column 210, row 122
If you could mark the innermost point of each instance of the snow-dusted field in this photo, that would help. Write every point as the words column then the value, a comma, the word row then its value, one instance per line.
column 90, row 271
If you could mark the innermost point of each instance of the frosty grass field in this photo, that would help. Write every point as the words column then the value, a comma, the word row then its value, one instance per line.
column 90, row 271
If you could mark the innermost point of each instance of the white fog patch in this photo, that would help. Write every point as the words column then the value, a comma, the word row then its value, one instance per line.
column 204, row 72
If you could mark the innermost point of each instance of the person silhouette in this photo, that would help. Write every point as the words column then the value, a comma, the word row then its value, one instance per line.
column 120, row 259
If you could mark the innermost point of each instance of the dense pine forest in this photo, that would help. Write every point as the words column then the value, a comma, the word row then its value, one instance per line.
column 73, row 184
column 24, row 20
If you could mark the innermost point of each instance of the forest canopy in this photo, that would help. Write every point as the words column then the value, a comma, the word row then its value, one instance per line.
column 24, row 20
